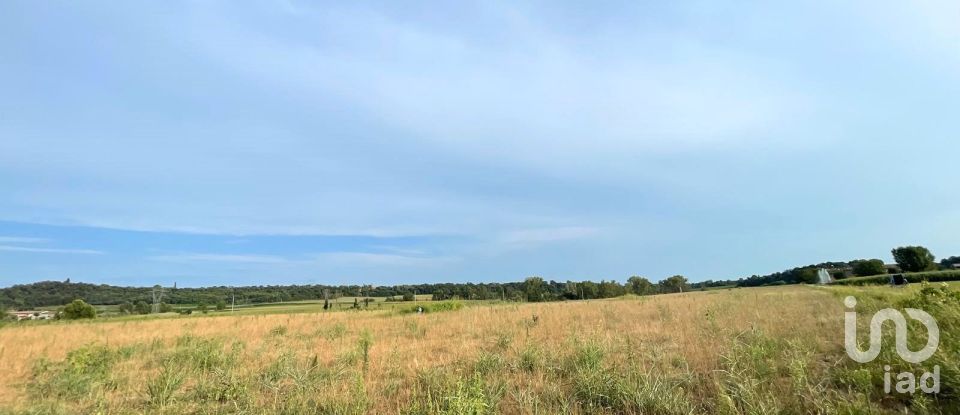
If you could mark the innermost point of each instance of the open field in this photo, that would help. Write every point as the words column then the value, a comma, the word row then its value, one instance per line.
column 761, row 350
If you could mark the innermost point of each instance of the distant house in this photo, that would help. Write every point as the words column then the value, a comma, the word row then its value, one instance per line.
column 32, row 315
column 956, row 266
column 893, row 268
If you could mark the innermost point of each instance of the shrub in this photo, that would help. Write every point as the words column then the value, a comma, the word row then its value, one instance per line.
column 867, row 267
column 126, row 308
column 78, row 309
column 915, row 277
column 141, row 307
column 434, row 307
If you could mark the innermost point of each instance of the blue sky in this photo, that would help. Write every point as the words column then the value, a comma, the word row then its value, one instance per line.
column 305, row 142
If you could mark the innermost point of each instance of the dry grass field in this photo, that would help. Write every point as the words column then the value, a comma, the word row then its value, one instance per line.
column 762, row 350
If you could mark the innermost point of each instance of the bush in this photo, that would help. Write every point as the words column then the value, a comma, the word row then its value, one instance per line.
column 434, row 307
column 126, row 308
column 914, row 277
column 78, row 309
column 868, row 267
column 141, row 307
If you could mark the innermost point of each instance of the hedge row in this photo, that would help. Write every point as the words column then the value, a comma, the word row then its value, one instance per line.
column 932, row 276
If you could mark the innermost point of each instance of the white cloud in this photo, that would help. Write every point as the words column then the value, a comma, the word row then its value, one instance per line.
column 10, row 248
column 208, row 257
column 380, row 259
column 22, row 240
column 533, row 237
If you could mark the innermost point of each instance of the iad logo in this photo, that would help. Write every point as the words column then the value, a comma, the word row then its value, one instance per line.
column 906, row 381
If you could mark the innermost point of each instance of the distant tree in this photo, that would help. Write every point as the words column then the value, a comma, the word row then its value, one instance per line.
column 533, row 289
column 126, row 308
column 914, row 258
column 948, row 263
column 610, row 289
column 640, row 286
column 589, row 289
column 356, row 303
column 326, row 304
column 868, row 267
column 141, row 307
column 674, row 284
column 221, row 305
column 78, row 309
column 408, row 296
column 202, row 307
column 166, row 308
column 807, row 275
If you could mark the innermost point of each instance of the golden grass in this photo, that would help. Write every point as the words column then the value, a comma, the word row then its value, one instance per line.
column 681, row 334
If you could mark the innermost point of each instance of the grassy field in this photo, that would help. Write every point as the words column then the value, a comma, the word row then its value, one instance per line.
column 735, row 351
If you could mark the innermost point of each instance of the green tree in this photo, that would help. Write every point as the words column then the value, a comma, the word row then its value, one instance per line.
column 408, row 296
column 610, row 289
column 589, row 289
column 533, row 289
column 674, row 284
column 126, row 308
column 141, row 307
column 868, row 267
column 166, row 308
column 640, row 286
column 807, row 275
column 78, row 309
column 221, row 305
column 914, row 258
column 948, row 263
column 202, row 307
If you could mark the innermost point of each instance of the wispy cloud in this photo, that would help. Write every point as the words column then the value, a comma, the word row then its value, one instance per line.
column 369, row 258
column 208, row 257
column 10, row 248
column 532, row 237
column 22, row 240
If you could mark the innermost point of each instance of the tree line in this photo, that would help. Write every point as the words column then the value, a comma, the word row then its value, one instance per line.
column 136, row 299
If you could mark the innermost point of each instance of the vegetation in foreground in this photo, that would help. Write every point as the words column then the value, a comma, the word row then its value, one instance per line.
column 762, row 350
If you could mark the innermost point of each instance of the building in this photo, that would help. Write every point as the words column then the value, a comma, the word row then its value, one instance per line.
column 32, row 315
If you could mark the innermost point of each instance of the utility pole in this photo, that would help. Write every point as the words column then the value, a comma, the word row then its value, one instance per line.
column 157, row 294
column 233, row 303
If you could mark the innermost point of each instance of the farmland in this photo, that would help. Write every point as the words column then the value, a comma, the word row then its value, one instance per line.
column 756, row 350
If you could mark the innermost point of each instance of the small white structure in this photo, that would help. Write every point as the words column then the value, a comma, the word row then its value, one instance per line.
column 32, row 315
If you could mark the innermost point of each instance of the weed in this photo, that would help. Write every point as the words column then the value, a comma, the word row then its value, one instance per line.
column 162, row 387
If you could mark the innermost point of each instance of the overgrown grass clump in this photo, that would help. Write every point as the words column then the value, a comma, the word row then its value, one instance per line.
column 436, row 307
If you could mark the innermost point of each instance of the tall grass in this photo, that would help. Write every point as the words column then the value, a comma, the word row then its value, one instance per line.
column 748, row 351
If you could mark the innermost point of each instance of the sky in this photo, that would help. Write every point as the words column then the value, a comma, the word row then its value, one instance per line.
column 294, row 142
